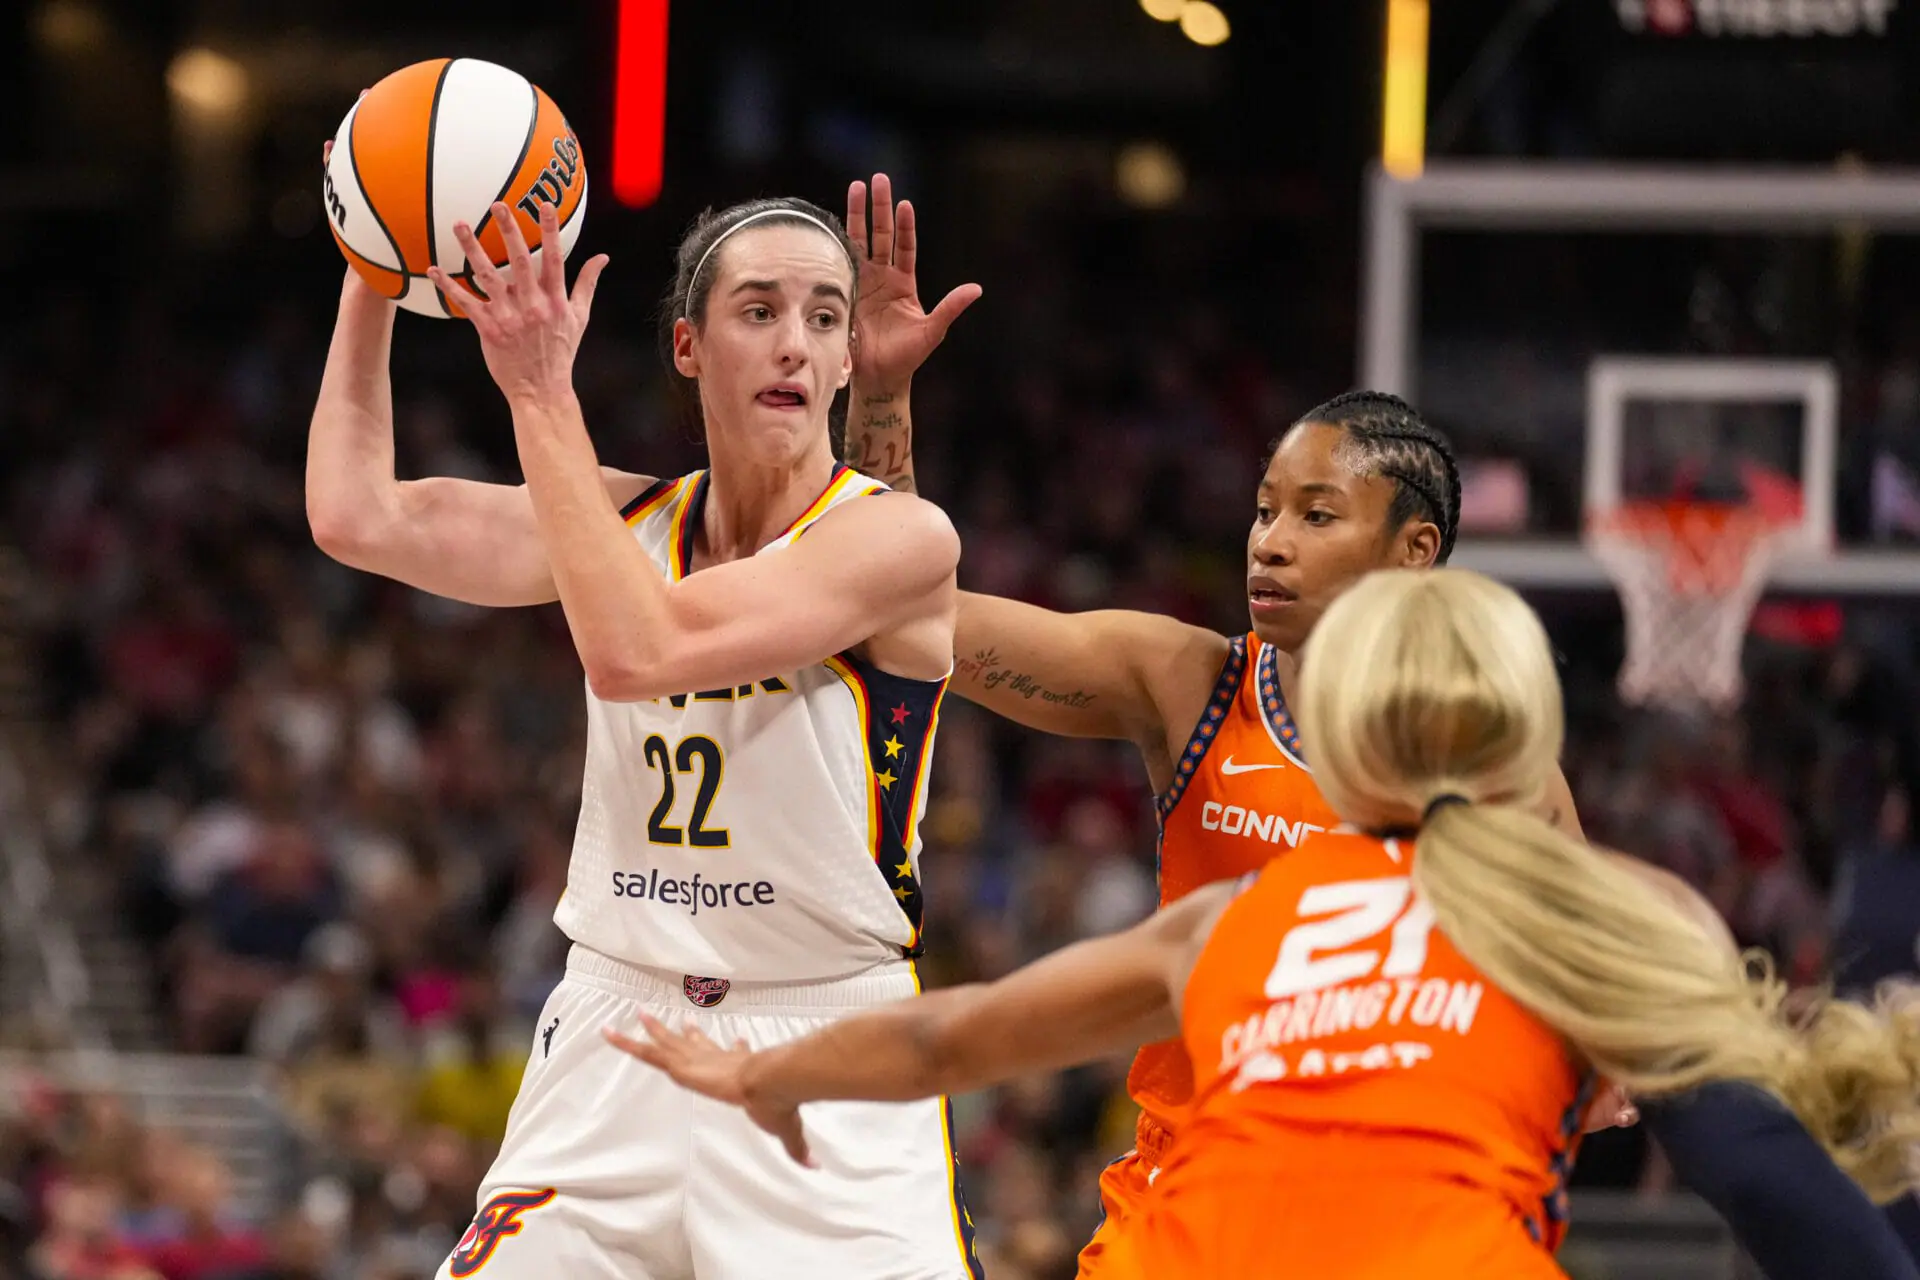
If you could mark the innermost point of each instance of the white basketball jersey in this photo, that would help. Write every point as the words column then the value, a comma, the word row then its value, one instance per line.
column 764, row 832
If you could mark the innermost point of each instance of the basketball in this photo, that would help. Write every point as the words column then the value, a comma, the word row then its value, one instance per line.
column 439, row 143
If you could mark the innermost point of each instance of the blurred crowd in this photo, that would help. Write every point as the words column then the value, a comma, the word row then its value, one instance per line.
column 337, row 814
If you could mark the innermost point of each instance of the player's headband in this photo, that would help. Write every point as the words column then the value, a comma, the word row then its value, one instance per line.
column 751, row 218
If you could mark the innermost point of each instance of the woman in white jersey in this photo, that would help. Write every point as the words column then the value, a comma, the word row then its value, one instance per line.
column 766, row 643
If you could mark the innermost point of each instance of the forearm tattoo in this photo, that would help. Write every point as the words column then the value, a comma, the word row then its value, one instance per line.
column 987, row 670
column 882, row 443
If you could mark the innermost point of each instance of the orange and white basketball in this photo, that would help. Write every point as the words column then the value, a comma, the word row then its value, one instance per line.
column 438, row 143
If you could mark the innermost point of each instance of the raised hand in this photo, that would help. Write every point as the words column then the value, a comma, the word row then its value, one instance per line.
column 529, row 327
column 695, row 1062
column 893, row 334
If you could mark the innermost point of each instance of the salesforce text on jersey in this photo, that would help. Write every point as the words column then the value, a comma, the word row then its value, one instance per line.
column 715, row 895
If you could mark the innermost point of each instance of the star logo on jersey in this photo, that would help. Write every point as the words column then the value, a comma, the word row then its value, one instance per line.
column 894, row 747
column 900, row 714
column 1231, row 769
column 498, row 1218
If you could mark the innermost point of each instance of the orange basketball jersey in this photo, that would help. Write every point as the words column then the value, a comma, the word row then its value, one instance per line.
column 1360, row 1089
column 1241, row 794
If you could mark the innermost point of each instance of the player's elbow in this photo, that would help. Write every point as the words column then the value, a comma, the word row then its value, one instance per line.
column 341, row 531
column 621, row 678
column 936, row 543
column 626, row 671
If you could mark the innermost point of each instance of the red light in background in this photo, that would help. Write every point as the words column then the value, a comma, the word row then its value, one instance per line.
column 639, row 102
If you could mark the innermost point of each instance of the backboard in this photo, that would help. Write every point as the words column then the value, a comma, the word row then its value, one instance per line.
column 1760, row 431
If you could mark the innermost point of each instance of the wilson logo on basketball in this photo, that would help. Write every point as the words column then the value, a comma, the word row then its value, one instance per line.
column 335, row 207
column 497, row 1219
column 556, row 179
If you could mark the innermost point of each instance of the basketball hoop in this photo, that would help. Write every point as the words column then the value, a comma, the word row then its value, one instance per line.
column 1689, row 575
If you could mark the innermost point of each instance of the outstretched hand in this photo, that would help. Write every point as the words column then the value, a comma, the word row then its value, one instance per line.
column 695, row 1062
column 529, row 327
column 893, row 334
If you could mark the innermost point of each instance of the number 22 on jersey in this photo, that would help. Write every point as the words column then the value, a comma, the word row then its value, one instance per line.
column 697, row 754
column 1315, row 952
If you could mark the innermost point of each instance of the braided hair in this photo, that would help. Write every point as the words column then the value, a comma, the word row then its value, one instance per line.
column 1389, row 439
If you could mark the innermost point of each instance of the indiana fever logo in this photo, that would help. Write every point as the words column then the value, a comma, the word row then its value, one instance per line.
column 498, row 1218
column 705, row 992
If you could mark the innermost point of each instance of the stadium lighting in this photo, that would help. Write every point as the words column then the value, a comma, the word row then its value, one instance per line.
column 1149, row 175
column 1204, row 24
column 209, row 83
column 70, row 26
column 1403, row 128
column 639, row 102
column 1163, row 10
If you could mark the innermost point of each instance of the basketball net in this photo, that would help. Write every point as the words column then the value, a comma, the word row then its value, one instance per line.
column 1689, row 575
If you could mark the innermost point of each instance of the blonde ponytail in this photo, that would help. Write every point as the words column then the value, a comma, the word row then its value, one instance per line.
column 1418, row 685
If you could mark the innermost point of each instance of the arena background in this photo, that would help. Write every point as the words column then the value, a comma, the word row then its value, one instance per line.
column 279, row 843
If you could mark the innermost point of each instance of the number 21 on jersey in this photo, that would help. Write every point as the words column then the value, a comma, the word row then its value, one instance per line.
column 696, row 754
column 1316, row 952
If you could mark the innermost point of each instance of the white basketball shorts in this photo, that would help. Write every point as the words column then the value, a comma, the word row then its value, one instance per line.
column 610, row 1171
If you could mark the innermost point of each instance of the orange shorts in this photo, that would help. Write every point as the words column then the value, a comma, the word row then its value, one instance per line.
column 1111, row 1254
column 1264, row 1228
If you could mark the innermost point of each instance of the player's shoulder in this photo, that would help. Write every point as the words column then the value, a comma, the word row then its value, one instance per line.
column 629, row 490
column 1676, row 891
column 1168, row 647
column 906, row 524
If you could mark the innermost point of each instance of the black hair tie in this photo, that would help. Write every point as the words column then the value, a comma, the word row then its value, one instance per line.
column 1440, row 802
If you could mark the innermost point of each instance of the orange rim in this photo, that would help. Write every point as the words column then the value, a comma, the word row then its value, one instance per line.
column 1707, row 545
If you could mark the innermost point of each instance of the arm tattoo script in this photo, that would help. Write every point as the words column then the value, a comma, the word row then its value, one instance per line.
column 986, row 669
column 882, row 447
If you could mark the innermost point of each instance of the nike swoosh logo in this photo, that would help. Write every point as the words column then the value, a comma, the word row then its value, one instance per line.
column 1229, row 768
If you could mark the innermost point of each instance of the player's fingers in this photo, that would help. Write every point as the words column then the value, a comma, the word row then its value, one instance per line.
column 553, row 254
column 882, row 219
column 646, row 1051
column 519, row 260
column 857, row 219
column 906, row 243
column 656, row 1028
column 794, row 1138
column 586, row 284
column 951, row 306
column 485, row 274
column 694, row 1035
column 665, row 1038
column 458, row 292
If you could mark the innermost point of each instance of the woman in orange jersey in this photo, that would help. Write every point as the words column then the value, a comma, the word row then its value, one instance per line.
column 1359, row 483
column 1394, row 1029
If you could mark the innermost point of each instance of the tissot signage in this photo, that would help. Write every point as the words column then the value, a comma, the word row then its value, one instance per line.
column 1757, row 19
